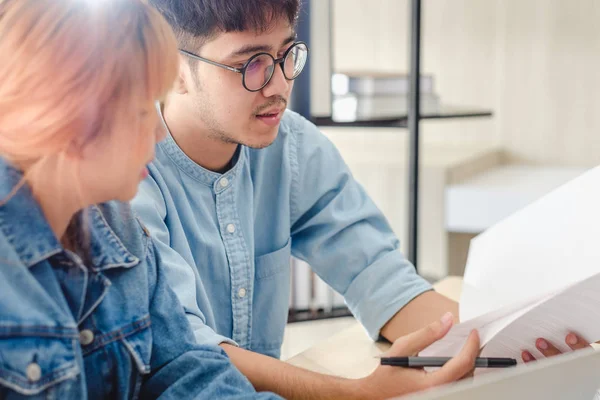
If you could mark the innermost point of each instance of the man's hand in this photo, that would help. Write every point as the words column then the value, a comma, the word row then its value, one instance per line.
column 291, row 382
column 387, row 381
column 549, row 350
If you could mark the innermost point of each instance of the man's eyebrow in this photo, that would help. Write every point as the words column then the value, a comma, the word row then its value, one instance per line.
column 289, row 39
column 252, row 49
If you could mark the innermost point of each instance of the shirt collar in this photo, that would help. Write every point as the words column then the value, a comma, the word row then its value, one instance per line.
column 23, row 223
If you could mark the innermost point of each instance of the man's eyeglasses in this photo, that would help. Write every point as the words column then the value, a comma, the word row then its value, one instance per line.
column 259, row 69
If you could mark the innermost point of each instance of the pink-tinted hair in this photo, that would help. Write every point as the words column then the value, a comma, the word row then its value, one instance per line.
column 74, row 69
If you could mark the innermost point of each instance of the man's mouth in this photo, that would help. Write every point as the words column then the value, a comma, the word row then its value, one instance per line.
column 270, row 117
column 271, row 112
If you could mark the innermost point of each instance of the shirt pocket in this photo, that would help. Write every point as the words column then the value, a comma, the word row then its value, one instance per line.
column 274, row 263
column 271, row 300
column 37, row 366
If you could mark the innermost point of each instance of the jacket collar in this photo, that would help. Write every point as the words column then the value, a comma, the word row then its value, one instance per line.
column 24, row 225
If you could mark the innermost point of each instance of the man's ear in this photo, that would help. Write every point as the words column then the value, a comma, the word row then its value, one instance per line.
column 183, row 78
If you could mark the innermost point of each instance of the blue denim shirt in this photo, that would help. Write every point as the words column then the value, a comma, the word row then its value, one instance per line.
column 226, row 240
column 111, row 328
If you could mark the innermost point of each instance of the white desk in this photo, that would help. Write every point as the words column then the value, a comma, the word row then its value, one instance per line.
column 351, row 353
column 477, row 203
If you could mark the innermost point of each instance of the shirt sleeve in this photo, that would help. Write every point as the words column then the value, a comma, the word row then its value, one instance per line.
column 149, row 206
column 342, row 234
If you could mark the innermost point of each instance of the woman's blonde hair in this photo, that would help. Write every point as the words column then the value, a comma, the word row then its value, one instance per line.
column 74, row 69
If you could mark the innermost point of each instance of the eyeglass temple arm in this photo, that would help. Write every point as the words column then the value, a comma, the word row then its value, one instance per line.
column 187, row 53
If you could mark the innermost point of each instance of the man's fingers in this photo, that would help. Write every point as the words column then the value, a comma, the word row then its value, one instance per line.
column 527, row 356
column 460, row 365
column 547, row 348
column 575, row 342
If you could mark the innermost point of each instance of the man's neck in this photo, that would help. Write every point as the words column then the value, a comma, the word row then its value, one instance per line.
column 206, row 151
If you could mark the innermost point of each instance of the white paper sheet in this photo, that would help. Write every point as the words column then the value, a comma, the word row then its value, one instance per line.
column 507, row 332
column 535, row 274
column 547, row 245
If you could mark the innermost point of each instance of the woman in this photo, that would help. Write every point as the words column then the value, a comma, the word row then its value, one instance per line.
column 84, row 310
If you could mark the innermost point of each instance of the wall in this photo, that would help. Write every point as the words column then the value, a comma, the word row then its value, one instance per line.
column 535, row 63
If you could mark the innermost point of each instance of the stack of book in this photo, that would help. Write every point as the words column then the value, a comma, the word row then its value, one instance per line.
column 363, row 96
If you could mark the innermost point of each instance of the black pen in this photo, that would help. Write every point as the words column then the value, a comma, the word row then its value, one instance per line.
column 420, row 362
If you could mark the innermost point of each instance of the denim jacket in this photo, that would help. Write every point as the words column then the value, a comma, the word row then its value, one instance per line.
column 107, row 328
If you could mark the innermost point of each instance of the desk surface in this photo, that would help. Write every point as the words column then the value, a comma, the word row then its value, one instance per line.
column 351, row 353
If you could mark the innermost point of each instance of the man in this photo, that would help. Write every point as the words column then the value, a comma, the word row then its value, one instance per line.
column 240, row 184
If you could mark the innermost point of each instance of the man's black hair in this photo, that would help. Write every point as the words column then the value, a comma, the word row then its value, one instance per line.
column 196, row 21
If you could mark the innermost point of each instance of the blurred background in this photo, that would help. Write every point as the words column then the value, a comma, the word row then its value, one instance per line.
column 509, row 110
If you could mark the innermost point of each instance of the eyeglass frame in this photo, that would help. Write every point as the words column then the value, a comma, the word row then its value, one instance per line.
column 242, row 70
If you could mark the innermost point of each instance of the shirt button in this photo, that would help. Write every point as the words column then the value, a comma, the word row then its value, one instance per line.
column 86, row 337
column 224, row 182
column 34, row 372
column 242, row 292
column 231, row 228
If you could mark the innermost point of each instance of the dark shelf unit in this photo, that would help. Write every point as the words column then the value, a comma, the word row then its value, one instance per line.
column 410, row 120
column 304, row 315
column 401, row 121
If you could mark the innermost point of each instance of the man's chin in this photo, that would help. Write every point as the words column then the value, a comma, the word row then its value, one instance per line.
column 259, row 145
column 260, row 141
